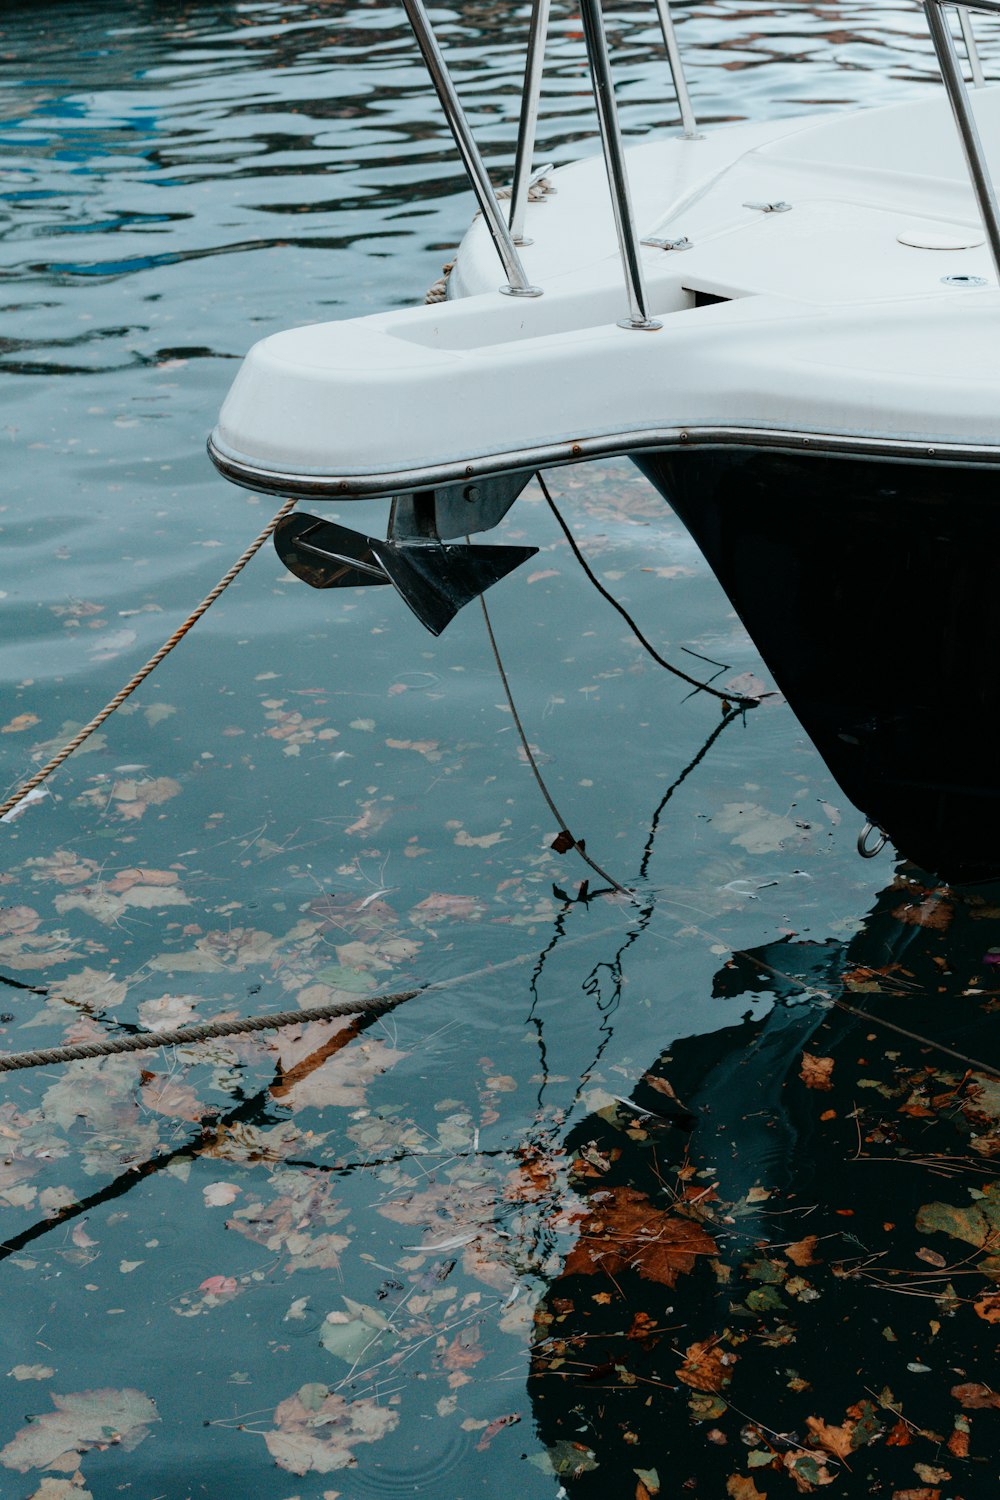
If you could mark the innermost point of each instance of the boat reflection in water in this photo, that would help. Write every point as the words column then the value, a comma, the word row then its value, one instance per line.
column 789, row 1238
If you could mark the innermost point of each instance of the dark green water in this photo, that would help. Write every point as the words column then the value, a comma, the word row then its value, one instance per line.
column 313, row 798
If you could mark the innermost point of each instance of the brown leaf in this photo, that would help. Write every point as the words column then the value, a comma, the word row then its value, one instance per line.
column 563, row 842
column 463, row 1351
column 900, row 1436
column 815, row 1071
column 18, row 919
column 801, row 1252
column 534, row 1177
column 958, row 1443
column 497, row 1425
column 921, row 1493
column 974, row 1397
column 661, row 1085
column 166, row 1096
column 933, row 912
column 742, row 1487
column 988, row 1307
column 931, row 1257
column 625, row 1231
column 706, row 1367
column 836, row 1440
column 931, row 1473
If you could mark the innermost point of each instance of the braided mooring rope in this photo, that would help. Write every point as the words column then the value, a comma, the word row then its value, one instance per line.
column 148, row 1041
column 143, row 672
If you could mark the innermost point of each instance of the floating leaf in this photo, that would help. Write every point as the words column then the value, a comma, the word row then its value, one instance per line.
column 218, row 1194
column 706, row 1367
column 815, row 1071
column 81, row 1421
column 754, row 828
column 483, row 841
column 497, row 1425
column 801, row 1252
column 565, row 1458
column 988, row 1307
column 933, row 912
column 836, row 1440
column 19, row 723
column 976, row 1397
column 626, row 1231
column 316, row 1430
column 351, row 1334
column 975, row 1224
column 808, row 1473
column 742, row 1487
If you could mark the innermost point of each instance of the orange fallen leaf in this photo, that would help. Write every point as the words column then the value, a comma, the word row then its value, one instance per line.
column 958, row 1443
column 974, row 1397
column 900, row 1436
column 661, row 1085
column 932, row 912
column 742, row 1487
column 801, row 1252
column 815, row 1071
column 706, row 1367
column 988, row 1307
column 626, row 1231
column 643, row 1326
column 922, row 1492
column 533, row 1178
column 836, row 1440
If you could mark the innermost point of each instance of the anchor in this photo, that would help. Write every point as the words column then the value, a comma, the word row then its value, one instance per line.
column 434, row 578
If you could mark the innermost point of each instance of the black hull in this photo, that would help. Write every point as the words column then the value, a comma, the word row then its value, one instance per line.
column 870, row 589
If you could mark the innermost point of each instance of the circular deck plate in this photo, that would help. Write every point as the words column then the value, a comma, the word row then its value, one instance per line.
column 940, row 239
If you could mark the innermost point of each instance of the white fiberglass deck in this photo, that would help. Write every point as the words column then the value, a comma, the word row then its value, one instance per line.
column 832, row 323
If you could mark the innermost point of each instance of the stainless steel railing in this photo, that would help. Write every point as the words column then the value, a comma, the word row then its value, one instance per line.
column 530, row 98
column 961, row 107
column 518, row 284
column 506, row 237
column 971, row 49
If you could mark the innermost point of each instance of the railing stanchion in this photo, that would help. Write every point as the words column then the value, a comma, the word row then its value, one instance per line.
column 518, row 284
column 951, row 73
column 971, row 49
column 529, row 118
column 614, row 161
column 688, row 121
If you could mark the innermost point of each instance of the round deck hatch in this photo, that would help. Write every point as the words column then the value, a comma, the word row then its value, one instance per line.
column 940, row 239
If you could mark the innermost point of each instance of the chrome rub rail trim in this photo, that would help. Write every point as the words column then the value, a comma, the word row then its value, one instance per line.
column 318, row 486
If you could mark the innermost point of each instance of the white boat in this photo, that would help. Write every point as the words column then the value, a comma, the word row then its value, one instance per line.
column 804, row 359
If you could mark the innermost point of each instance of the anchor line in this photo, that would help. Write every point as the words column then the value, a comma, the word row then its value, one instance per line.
column 36, row 780
column 575, row 843
column 727, row 699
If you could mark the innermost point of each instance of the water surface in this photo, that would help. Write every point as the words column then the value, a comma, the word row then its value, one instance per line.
column 350, row 1267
